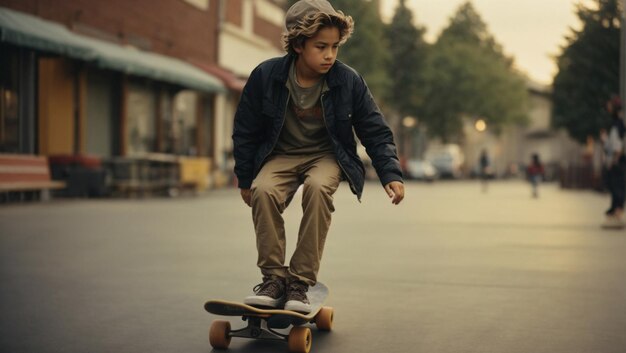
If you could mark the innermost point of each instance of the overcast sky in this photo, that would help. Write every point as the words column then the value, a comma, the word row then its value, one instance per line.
column 529, row 30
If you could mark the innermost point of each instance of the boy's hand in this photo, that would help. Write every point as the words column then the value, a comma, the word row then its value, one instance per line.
column 395, row 190
column 246, row 195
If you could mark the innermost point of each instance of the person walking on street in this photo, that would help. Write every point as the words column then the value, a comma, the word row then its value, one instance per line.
column 485, row 169
column 295, row 125
column 615, row 163
column 535, row 173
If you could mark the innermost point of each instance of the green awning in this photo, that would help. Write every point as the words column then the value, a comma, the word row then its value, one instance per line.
column 25, row 30
column 29, row 31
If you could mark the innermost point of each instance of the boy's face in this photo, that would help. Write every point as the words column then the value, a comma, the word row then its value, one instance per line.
column 318, row 54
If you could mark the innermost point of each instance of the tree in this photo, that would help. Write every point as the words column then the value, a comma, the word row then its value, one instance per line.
column 588, row 71
column 468, row 77
column 366, row 50
column 407, row 65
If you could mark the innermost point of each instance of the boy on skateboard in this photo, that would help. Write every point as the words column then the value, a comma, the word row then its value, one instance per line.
column 294, row 126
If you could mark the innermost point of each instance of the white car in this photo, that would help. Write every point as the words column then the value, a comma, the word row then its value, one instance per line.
column 447, row 160
column 421, row 170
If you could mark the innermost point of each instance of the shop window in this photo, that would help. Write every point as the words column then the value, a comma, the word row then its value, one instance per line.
column 141, row 119
column 9, row 108
column 102, row 112
column 206, row 144
column 166, row 135
column 184, row 127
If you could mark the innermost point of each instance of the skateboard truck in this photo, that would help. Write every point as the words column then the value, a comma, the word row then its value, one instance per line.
column 299, row 338
column 258, row 328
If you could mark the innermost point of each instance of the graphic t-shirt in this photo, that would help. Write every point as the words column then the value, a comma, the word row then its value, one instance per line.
column 304, row 131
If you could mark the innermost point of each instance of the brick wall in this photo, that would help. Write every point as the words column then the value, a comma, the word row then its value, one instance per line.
column 268, row 31
column 233, row 12
column 170, row 27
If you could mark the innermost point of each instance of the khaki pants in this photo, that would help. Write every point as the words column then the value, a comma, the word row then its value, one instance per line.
column 272, row 190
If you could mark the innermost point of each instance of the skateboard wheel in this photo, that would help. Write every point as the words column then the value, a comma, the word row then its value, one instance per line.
column 324, row 319
column 219, row 334
column 300, row 340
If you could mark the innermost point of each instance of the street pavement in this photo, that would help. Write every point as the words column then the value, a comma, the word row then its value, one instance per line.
column 452, row 269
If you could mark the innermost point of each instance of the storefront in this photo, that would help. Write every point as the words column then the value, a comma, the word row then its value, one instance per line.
column 62, row 93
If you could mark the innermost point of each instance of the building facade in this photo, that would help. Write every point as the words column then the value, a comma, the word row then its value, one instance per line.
column 250, row 33
column 511, row 151
column 130, row 79
column 117, row 78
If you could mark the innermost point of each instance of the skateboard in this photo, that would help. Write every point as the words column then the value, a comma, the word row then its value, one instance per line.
column 263, row 323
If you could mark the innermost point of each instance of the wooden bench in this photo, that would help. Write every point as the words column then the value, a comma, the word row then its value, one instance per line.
column 21, row 173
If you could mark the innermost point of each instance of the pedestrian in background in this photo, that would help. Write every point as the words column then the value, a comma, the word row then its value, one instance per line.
column 535, row 173
column 294, row 126
column 615, row 163
column 485, row 169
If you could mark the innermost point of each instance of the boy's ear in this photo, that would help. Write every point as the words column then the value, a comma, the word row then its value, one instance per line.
column 297, row 48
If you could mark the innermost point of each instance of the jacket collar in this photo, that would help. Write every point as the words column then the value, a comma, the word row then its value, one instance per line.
column 282, row 75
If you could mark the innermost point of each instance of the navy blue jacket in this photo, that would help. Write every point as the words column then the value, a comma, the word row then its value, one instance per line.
column 348, row 105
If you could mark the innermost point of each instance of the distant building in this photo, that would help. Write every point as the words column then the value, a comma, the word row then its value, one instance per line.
column 511, row 151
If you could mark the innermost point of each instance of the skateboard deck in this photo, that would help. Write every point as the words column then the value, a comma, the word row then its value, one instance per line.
column 262, row 322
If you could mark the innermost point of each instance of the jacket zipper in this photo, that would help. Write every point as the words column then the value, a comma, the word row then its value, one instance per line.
column 352, row 187
column 275, row 141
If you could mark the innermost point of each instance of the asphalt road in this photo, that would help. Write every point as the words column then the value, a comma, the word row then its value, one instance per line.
column 450, row 270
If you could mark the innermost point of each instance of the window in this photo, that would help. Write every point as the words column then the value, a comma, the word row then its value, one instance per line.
column 141, row 119
column 9, row 117
column 185, row 123
column 166, row 135
column 201, row 4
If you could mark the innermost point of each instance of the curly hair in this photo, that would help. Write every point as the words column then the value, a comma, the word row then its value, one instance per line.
column 309, row 25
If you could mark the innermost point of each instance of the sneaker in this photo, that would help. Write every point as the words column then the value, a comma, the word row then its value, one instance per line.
column 296, row 297
column 613, row 222
column 270, row 293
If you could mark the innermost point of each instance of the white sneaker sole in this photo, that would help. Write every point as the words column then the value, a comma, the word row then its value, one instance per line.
column 294, row 305
column 261, row 300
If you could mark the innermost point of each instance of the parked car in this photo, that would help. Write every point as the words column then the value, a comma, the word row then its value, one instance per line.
column 421, row 170
column 447, row 159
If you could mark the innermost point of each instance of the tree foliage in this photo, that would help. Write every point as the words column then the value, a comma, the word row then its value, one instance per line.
column 588, row 71
column 465, row 74
column 469, row 77
column 408, row 52
column 366, row 51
